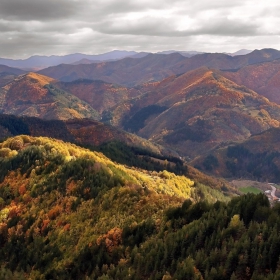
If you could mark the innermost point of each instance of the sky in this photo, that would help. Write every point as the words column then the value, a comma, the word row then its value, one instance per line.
column 59, row 27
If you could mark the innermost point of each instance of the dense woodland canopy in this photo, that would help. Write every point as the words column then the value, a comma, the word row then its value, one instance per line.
column 69, row 213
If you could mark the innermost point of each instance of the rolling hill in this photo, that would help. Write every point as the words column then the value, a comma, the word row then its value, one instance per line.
column 35, row 95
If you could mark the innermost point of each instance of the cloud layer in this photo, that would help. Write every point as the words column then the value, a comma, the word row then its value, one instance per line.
column 96, row 26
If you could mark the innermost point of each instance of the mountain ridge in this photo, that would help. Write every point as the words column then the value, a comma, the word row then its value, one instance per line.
column 38, row 61
column 155, row 67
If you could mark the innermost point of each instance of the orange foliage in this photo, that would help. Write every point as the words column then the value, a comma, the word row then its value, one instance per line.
column 14, row 210
column 112, row 239
column 54, row 212
column 45, row 224
column 22, row 189
column 66, row 227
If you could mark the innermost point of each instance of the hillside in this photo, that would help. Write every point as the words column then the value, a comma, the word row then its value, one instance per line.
column 264, row 78
column 68, row 213
column 197, row 111
column 7, row 74
column 81, row 131
column 35, row 95
column 256, row 158
column 56, row 198
column 127, row 71
column 98, row 94
column 10, row 70
column 118, row 145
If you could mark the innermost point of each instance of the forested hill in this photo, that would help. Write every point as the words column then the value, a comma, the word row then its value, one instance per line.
column 57, row 201
column 69, row 213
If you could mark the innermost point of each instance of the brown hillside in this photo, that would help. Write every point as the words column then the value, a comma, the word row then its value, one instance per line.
column 256, row 158
column 200, row 110
column 263, row 78
column 81, row 131
column 7, row 74
column 98, row 94
column 34, row 95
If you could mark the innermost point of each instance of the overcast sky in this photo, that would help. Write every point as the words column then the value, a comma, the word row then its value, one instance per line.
column 46, row 27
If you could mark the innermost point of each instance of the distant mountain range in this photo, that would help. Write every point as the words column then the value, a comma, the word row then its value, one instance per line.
column 39, row 62
column 155, row 67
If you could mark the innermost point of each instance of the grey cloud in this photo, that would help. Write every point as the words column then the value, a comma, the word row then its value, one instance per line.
column 30, row 27
column 144, row 26
column 37, row 10
column 226, row 27
column 165, row 27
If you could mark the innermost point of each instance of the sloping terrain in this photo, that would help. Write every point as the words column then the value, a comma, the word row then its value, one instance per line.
column 7, row 74
column 10, row 70
column 264, row 78
column 197, row 111
column 57, row 200
column 256, row 158
column 118, row 145
column 81, row 131
column 34, row 95
column 98, row 94
column 128, row 71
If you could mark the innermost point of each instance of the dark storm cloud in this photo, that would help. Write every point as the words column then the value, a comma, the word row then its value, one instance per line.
column 30, row 27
